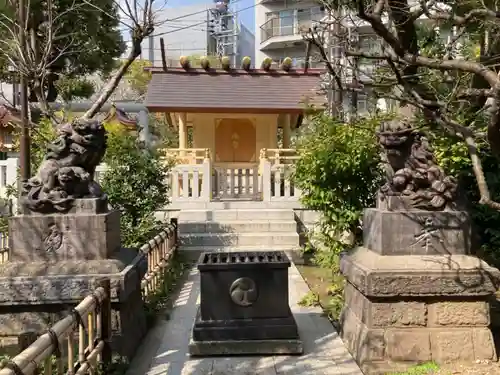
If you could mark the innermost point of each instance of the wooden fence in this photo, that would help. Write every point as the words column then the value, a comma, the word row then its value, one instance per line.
column 4, row 247
column 87, row 329
column 89, row 322
column 159, row 252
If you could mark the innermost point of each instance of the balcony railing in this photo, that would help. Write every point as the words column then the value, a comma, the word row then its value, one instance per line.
column 291, row 25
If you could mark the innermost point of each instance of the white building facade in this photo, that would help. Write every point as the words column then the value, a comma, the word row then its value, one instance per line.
column 189, row 31
column 278, row 28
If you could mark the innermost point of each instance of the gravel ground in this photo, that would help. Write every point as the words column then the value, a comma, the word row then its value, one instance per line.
column 480, row 368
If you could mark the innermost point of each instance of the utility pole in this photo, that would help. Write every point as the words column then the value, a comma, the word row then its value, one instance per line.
column 25, row 136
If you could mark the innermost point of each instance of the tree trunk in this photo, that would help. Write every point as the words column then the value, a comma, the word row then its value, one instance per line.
column 112, row 84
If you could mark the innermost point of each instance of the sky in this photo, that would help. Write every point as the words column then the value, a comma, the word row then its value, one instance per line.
column 246, row 16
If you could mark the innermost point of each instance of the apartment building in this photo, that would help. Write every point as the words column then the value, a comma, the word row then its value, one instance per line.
column 278, row 28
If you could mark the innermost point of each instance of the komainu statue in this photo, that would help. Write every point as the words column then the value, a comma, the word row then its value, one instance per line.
column 67, row 170
column 412, row 170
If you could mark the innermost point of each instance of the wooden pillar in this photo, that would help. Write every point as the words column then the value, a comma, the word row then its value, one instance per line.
column 287, row 130
column 182, row 130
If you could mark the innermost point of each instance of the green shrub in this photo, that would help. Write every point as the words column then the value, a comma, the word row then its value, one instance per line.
column 41, row 136
column 452, row 155
column 338, row 173
column 135, row 182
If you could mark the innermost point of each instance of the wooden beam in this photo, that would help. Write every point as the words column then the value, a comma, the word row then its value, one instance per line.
column 182, row 119
column 173, row 118
column 163, row 55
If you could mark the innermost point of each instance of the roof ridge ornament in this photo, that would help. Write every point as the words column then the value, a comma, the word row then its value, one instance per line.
column 286, row 64
column 266, row 64
column 185, row 63
column 246, row 63
column 226, row 63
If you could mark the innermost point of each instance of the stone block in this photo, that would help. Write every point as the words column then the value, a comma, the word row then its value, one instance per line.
column 452, row 345
column 56, row 237
column 416, row 232
column 80, row 206
column 244, row 347
column 244, row 302
column 378, row 314
column 408, row 345
column 376, row 275
column 459, row 313
column 33, row 296
column 128, row 323
column 265, row 275
column 365, row 344
column 484, row 345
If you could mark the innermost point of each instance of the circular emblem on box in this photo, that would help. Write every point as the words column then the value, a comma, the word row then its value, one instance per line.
column 243, row 291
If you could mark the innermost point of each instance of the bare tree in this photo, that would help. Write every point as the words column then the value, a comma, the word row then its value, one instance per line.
column 141, row 22
column 34, row 57
column 414, row 74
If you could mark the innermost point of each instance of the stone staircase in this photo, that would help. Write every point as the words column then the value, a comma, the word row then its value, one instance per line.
column 238, row 230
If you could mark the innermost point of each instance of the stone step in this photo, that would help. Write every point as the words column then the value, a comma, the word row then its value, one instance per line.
column 236, row 214
column 290, row 239
column 232, row 249
column 238, row 226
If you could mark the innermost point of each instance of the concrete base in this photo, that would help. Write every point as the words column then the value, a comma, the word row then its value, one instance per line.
column 245, row 347
column 34, row 296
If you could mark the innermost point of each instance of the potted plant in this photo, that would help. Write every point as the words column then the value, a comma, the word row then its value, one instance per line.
column 286, row 64
column 205, row 63
column 184, row 61
column 266, row 64
column 246, row 62
column 226, row 63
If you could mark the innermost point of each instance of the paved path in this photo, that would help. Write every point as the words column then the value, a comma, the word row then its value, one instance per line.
column 164, row 351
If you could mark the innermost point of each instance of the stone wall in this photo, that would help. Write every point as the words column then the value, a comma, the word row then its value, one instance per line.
column 378, row 331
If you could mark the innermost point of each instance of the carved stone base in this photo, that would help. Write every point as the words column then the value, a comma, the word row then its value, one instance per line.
column 377, row 275
column 401, row 310
column 33, row 296
column 58, row 237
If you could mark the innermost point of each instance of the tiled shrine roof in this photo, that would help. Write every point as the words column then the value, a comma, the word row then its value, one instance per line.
column 236, row 90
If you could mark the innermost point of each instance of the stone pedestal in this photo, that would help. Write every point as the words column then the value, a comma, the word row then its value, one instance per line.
column 244, row 306
column 414, row 295
column 56, row 260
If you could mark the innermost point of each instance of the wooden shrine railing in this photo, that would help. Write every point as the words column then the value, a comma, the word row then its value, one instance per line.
column 187, row 155
column 159, row 252
column 277, row 168
column 79, row 343
column 87, row 328
column 279, row 155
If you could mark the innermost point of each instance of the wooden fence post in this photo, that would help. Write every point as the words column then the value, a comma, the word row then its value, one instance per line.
column 106, row 322
column 175, row 224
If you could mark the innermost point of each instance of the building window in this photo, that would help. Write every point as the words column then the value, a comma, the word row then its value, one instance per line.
column 362, row 103
column 290, row 21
